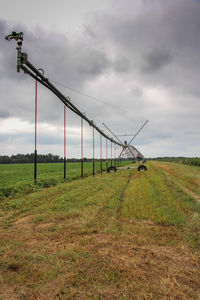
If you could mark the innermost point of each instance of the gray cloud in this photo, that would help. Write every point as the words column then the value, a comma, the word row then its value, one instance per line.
column 89, row 31
column 73, row 63
column 122, row 64
column 4, row 114
column 142, row 56
column 156, row 60
column 139, row 29
column 92, row 63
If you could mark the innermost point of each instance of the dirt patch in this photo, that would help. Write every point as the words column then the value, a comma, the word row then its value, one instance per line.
column 44, row 225
column 24, row 220
column 121, row 198
column 8, row 294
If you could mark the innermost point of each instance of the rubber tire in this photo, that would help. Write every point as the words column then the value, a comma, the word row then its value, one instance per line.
column 111, row 169
column 142, row 168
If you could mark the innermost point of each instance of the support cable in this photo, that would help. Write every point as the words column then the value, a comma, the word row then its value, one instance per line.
column 112, row 133
column 43, row 83
column 86, row 95
column 66, row 100
column 28, row 68
column 22, row 59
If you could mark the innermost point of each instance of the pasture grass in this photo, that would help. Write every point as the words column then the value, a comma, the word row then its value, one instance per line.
column 127, row 235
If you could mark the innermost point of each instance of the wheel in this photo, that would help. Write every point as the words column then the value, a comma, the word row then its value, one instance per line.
column 111, row 169
column 142, row 168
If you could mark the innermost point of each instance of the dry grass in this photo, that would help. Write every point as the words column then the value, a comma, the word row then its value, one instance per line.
column 78, row 241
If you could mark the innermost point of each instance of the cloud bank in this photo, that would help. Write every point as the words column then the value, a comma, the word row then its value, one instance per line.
column 140, row 56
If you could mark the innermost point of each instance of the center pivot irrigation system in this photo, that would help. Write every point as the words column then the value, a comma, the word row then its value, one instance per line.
column 126, row 150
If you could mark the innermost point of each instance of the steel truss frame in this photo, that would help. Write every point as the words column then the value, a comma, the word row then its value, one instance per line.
column 24, row 64
column 128, row 151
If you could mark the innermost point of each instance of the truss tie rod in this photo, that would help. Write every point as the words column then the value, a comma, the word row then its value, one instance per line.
column 45, row 81
column 22, row 59
column 112, row 133
column 137, row 132
column 65, row 100
column 48, row 83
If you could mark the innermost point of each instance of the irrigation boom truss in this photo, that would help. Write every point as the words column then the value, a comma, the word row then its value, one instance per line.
column 24, row 64
column 129, row 151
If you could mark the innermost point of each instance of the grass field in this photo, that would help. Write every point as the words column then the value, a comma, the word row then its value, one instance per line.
column 192, row 161
column 127, row 235
column 19, row 178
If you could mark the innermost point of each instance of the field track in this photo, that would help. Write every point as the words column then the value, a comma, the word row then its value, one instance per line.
column 127, row 235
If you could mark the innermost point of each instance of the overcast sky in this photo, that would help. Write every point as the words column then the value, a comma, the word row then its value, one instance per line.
column 141, row 58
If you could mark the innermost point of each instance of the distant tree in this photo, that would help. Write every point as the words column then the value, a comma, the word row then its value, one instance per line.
column 29, row 158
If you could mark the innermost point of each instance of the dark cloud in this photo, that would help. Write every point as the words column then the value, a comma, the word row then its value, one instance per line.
column 141, row 56
column 71, row 62
column 156, row 60
column 153, row 35
column 89, row 31
column 122, row 64
column 92, row 63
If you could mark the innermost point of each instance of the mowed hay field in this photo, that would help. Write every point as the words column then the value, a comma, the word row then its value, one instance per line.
column 127, row 235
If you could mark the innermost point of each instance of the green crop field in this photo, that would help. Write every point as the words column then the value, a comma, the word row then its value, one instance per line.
column 19, row 178
column 125, row 235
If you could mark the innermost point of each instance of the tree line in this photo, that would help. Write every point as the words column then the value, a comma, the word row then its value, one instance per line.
column 30, row 158
column 41, row 158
